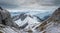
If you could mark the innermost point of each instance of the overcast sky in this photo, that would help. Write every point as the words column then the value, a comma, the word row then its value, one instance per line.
column 30, row 4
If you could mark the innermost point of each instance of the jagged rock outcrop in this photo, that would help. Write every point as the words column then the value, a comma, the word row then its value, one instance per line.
column 6, row 21
column 52, row 22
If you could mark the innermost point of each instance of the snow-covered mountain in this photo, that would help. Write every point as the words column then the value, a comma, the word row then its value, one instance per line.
column 27, row 22
column 27, row 19
column 24, row 20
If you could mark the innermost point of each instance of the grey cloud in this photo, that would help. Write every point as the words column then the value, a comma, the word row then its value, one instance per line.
column 27, row 3
column 57, row 2
column 49, row 2
column 8, row 4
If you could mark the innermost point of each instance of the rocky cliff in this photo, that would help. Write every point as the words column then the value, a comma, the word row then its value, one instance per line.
column 51, row 25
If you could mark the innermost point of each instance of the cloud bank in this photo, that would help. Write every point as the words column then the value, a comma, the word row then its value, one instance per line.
column 29, row 4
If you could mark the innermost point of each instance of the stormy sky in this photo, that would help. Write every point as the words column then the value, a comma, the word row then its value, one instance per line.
column 29, row 4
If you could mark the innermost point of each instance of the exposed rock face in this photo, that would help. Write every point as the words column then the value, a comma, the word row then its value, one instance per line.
column 5, row 18
column 51, row 23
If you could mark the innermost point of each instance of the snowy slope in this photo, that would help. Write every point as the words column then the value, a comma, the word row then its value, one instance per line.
column 31, row 21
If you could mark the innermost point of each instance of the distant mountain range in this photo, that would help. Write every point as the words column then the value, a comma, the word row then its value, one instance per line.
column 40, row 15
